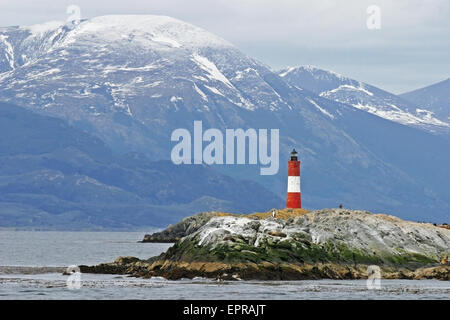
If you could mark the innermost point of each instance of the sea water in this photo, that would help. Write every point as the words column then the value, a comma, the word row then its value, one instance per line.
column 31, row 266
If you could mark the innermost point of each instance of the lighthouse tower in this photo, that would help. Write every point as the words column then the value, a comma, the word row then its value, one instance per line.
column 294, row 196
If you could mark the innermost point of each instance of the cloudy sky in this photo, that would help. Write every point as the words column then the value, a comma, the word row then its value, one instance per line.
column 410, row 50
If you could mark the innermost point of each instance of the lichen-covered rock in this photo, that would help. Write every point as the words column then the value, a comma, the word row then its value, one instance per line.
column 189, row 225
column 333, row 235
column 175, row 232
column 331, row 243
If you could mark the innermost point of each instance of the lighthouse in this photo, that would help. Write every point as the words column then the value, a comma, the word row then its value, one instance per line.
column 294, row 195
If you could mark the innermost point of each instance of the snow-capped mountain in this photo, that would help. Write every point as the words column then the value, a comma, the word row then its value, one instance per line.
column 435, row 98
column 363, row 96
column 132, row 80
column 132, row 71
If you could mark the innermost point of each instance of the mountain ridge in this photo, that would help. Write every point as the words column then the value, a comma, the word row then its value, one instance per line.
column 337, row 87
column 434, row 97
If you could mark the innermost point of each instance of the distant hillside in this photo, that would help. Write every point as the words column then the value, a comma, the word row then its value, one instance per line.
column 53, row 176
column 435, row 98
column 365, row 97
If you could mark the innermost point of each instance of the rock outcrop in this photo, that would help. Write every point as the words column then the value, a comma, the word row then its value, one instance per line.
column 330, row 243
column 189, row 225
column 175, row 232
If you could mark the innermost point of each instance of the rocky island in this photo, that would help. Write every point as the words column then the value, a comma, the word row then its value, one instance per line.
column 293, row 245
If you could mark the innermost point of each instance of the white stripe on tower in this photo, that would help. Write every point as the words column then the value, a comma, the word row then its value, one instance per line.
column 294, row 184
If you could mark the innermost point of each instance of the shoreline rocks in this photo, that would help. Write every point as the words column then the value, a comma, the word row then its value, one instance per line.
column 264, row 271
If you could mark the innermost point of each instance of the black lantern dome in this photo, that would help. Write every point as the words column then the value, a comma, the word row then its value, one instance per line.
column 294, row 155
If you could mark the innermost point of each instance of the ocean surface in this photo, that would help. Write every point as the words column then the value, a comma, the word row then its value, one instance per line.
column 31, row 266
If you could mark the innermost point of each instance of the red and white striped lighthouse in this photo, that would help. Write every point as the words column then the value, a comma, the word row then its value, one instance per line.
column 294, row 195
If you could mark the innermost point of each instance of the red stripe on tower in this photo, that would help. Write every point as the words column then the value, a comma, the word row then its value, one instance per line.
column 294, row 195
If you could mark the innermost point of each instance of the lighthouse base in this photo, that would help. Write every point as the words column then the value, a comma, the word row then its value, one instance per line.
column 294, row 200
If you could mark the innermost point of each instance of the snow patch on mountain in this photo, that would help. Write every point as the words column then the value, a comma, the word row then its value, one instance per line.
column 175, row 99
column 201, row 93
column 211, row 69
column 398, row 115
column 320, row 108
column 168, row 41
column 346, row 86
column 144, row 30
column 109, row 68
column 430, row 117
column 43, row 28
column 288, row 70
column 9, row 54
column 310, row 69
column 215, row 90
column 43, row 74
